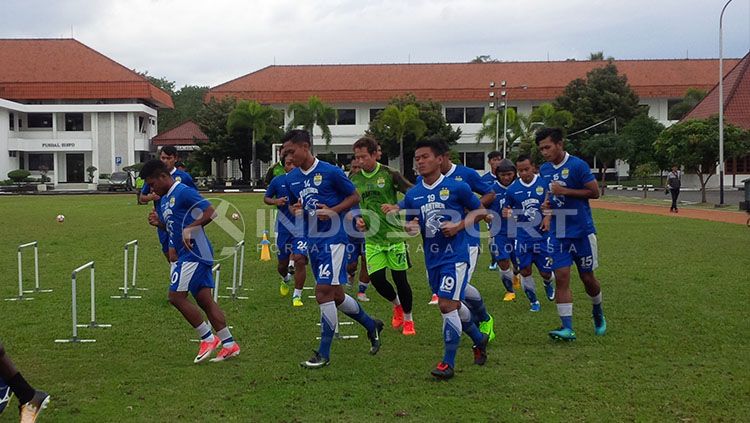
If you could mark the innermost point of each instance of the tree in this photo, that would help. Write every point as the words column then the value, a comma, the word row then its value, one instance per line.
column 694, row 145
column 251, row 118
column 692, row 97
column 311, row 114
column 639, row 136
column 606, row 149
column 523, row 129
column 188, row 101
column 400, row 122
column 599, row 56
column 602, row 95
column 430, row 112
column 484, row 58
column 643, row 171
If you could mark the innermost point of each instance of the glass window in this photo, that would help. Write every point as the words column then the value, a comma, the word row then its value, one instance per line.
column 40, row 120
column 454, row 114
column 12, row 122
column 474, row 114
column 346, row 117
column 74, row 121
column 475, row 160
column 37, row 160
column 374, row 114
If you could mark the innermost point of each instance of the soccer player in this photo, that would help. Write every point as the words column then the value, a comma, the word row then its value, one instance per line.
column 523, row 202
column 183, row 213
column 32, row 401
column 493, row 159
column 355, row 249
column 385, row 248
column 324, row 194
column 289, row 240
column 168, row 156
column 501, row 243
column 572, row 236
column 436, row 207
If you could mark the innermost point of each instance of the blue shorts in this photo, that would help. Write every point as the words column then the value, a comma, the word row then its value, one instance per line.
column 163, row 239
column 354, row 250
column 327, row 263
column 501, row 248
column 287, row 244
column 190, row 276
column 564, row 252
column 449, row 280
column 533, row 251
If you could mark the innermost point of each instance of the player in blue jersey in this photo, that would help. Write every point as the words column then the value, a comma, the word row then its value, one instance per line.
column 323, row 194
column 523, row 209
column 183, row 213
column 289, row 240
column 572, row 236
column 493, row 159
column 501, row 243
column 437, row 207
column 168, row 156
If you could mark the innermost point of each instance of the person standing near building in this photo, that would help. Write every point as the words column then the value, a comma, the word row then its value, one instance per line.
column 674, row 182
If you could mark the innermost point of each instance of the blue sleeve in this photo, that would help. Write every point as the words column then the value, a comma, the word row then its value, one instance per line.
column 273, row 188
column 510, row 200
column 467, row 199
column 192, row 198
column 146, row 189
column 341, row 183
column 188, row 180
column 477, row 184
column 584, row 173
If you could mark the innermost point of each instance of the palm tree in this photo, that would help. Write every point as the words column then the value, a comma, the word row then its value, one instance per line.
column 254, row 117
column 401, row 122
column 311, row 114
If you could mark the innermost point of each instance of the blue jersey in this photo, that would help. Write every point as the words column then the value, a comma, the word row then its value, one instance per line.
column 489, row 178
column 572, row 173
column 526, row 201
column 499, row 225
column 178, row 176
column 322, row 184
column 278, row 189
column 444, row 201
column 471, row 177
column 177, row 211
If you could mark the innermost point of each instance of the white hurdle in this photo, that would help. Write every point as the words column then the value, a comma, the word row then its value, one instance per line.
column 36, row 289
column 216, row 270
column 92, row 324
column 337, row 335
column 124, row 287
column 235, row 285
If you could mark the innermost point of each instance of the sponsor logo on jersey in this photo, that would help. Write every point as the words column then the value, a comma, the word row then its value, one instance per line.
column 444, row 194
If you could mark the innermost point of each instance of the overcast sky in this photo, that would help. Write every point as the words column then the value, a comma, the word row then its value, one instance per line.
column 211, row 42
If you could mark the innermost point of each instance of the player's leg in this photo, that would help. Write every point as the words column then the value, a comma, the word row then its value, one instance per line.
column 364, row 279
column 493, row 253
column 182, row 275
column 284, row 245
column 560, row 254
column 586, row 258
column 32, row 401
column 300, row 259
column 215, row 315
column 524, row 257
column 407, row 300
column 504, row 248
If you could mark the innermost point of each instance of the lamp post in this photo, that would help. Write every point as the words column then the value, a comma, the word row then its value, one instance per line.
column 721, row 104
column 497, row 114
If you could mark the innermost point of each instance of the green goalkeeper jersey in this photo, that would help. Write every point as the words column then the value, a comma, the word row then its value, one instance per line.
column 381, row 186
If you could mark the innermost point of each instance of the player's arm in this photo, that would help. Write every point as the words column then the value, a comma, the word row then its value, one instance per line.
column 146, row 195
column 590, row 190
column 346, row 187
column 401, row 184
column 482, row 188
column 271, row 196
column 469, row 201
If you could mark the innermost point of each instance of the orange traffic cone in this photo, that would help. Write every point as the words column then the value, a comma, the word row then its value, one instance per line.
column 265, row 248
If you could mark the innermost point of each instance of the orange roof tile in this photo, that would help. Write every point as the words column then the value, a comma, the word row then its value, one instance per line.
column 459, row 81
column 66, row 69
column 184, row 134
column 736, row 97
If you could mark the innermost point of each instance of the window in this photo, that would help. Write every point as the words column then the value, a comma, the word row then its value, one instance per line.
column 12, row 122
column 346, row 116
column 475, row 160
column 374, row 114
column 40, row 120
column 474, row 114
column 743, row 165
column 74, row 121
column 454, row 114
column 37, row 160
column 141, row 121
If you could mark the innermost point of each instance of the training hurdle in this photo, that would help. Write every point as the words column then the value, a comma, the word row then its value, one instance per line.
column 237, row 283
column 337, row 335
column 93, row 323
column 37, row 289
column 124, row 287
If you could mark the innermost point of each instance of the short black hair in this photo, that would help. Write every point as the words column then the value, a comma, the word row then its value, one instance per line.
column 367, row 142
column 524, row 157
column 180, row 164
column 297, row 136
column 555, row 134
column 492, row 154
column 438, row 146
column 169, row 150
column 152, row 169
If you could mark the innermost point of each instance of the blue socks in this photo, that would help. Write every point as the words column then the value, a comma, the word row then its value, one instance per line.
column 451, row 336
column 351, row 308
column 328, row 321
column 474, row 301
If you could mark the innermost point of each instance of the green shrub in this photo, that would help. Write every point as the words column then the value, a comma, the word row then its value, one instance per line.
column 19, row 175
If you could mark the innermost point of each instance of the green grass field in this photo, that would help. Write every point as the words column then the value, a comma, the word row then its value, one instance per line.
column 675, row 297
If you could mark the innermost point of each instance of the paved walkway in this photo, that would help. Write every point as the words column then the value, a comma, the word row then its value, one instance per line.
column 704, row 214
